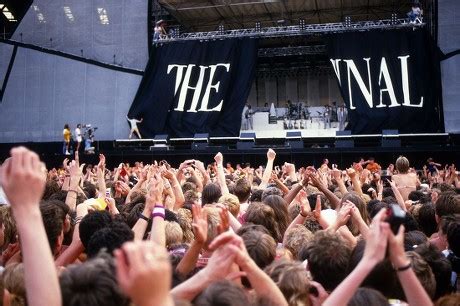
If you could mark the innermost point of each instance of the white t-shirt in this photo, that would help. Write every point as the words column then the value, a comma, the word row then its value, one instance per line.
column 78, row 134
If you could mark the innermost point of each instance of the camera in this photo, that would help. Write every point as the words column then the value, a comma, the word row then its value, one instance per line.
column 395, row 217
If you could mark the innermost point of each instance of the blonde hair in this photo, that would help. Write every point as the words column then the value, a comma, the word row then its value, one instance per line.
column 296, row 237
column 291, row 278
column 185, row 219
column 402, row 165
column 231, row 202
column 13, row 281
column 174, row 234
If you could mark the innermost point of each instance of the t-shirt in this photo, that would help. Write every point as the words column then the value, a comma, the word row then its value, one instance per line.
column 66, row 134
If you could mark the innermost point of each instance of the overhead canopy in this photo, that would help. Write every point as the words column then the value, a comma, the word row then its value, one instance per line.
column 206, row 15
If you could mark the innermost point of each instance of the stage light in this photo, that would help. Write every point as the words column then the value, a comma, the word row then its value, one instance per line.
column 103, row 17
column 221, row 29
column 258, row 26
column 302, row 24
column 68, row 13
column 6, row 12
column 394, row 18
column 348, row 21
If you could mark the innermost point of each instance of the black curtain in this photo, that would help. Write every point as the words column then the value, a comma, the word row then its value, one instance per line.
column 172, row 99
column 404, row 69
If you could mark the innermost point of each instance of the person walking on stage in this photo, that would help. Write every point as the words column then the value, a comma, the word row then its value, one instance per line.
column 67, row 135
column 79, row 137
column 134, row 129
column 341, row 117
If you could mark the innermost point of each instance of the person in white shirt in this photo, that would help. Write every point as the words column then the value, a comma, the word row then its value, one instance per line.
column 134, row 129
column 79, row 137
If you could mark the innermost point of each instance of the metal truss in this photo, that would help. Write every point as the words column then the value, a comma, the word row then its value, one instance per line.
column 292, row 51
column 296, row 30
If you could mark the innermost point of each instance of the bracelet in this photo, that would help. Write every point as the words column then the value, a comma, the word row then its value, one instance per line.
column 71, row 190
column 141, row 216
column 158, row 211
column 303, row 215
column 404, row 268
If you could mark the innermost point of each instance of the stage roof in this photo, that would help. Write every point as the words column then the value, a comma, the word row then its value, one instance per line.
column 207, row 15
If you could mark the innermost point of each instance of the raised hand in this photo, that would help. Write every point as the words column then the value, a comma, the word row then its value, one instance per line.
column 396, row 248
column 156, row 190
column 219, row 158
column 305, row 208
column 22, row 179
column 200, row 224
column 344, row 214
column 224, row 224
column 139, row 265
column 271, row 155
column 336, row 174
column 377, row 239
column 101, row 164
column 317, row 211
column 351, row 172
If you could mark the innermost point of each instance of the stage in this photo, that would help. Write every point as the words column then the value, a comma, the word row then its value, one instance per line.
column 445, row 148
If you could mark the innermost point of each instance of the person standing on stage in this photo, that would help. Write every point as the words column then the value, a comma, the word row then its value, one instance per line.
column 341, row 117
column 134, row 129
column 244, row 118
column 79, row 137
column 67, row 135
column 250, row 120
column 327, row 117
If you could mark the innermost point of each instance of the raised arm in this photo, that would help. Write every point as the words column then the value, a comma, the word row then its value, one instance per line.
column 200, row 230
column 413, row 289
column 399, row 197
column 337, row 175
column 374, row 252
column 355, row 181
column 23, row 182
column 262, row 284
column 290, row 196
column 100, row 176
column 268, row 168
column 333, row 199
column 155, row 197
column 75, row 176
column 176, row 189
column 220, row 173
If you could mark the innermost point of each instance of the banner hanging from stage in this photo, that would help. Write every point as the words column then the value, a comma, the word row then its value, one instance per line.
column 388, row 80
column 195, row 87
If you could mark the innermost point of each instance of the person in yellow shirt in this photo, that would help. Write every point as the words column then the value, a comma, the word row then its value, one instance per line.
column 67, row 135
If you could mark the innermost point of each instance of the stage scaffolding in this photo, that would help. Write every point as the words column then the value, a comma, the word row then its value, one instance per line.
column 301, row 29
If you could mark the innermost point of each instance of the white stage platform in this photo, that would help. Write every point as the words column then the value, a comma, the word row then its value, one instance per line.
column 313, row 128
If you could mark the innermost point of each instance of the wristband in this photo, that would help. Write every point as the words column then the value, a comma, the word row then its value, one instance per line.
column 72, row 191
column 404, row 268
column 158, row 211
column 141, row 216
column 303, row 215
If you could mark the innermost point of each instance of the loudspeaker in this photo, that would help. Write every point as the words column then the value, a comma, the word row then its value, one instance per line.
column 390, row 139
column 200, row 141
column 246, row 141
column 294, row 139
column 343, row 139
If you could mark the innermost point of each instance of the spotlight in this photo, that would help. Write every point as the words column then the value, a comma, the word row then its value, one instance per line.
column 258, row 26
column 348, row 21
column 302, row 24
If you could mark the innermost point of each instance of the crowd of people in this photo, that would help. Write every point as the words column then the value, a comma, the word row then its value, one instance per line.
column 201, row 234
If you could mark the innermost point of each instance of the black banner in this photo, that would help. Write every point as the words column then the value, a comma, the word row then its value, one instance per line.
column 389, row 80
column 195, row 87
